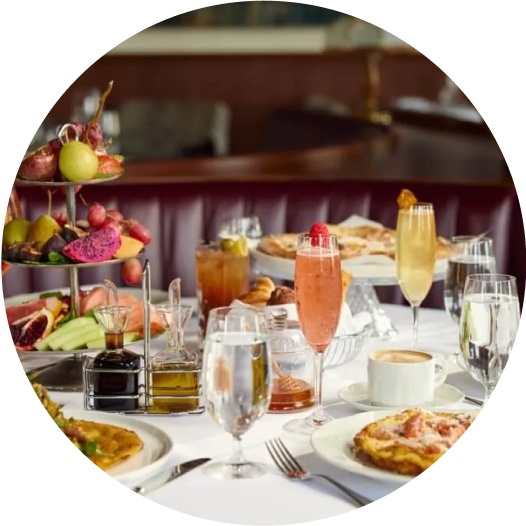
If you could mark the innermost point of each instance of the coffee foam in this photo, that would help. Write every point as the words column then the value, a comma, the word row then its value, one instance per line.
column 401, row 357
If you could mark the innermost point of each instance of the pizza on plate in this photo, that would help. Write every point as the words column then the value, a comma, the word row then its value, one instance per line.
column 353, row 242
column 411, row 441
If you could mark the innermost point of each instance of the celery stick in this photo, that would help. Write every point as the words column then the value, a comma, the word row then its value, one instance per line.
column 80, row 339
column 73, row 325
column 57, row 343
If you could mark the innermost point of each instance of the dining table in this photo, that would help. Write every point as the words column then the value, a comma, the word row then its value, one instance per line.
column 273, row 499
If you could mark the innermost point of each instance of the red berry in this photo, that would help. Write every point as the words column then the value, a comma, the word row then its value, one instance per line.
column 115, row 215
column 60, row 218
column 96, row 215
column 111, row 223
column 55, row 145
column 132, row 272
column 140, row 232
column 319, row 235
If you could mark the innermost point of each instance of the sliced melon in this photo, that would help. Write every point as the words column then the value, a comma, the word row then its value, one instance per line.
column 73, row 325
column 130, row 247
column 129, row 337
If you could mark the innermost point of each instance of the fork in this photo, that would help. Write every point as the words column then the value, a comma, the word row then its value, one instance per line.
column 291, row 468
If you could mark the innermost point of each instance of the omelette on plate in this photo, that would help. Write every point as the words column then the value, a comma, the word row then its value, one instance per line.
column 411, row 441
column 105, row 445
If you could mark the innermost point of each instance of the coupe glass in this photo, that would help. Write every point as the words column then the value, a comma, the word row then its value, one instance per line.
column 416, row 256
column 237, row 379
column 318, row 283
column 469, row 255
column 488, row 326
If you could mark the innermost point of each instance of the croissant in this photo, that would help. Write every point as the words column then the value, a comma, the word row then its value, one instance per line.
column 260, row 293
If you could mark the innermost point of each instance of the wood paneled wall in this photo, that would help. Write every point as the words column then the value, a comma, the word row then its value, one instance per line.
column 253, row 85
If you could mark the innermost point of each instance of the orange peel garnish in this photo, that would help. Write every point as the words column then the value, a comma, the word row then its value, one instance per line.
column 406, row 199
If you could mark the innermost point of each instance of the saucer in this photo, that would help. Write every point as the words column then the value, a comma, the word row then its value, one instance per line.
column 356, row 395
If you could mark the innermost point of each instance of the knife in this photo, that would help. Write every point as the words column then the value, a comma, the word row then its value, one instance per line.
column 167, row 476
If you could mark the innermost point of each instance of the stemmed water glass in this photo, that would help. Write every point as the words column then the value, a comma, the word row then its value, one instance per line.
column 237, row 379
column 416, row 256
column 488, row 326
column 318, row 284
column 248, row 226
column 469, row 255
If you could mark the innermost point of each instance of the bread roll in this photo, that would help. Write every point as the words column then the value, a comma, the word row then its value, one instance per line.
column 260, row 293
column 282, row 296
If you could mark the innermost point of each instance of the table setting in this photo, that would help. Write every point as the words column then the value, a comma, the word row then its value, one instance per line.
column 257, row 392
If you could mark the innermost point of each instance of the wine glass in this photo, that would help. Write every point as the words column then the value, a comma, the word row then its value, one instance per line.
column 249, row 226
column 237, row 379
column 416, row 256
column 488, row 326
column 318, row 284
column 469, row 255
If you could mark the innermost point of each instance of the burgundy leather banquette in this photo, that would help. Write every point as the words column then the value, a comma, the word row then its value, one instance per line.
column 179, row 214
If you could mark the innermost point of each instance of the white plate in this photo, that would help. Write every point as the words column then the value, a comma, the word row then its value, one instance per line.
column 356, row 395
column 382, row 273
column 145, row 464
column 334, row 440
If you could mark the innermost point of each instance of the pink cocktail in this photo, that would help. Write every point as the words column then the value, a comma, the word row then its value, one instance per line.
column 318, row 295
column 318, row 283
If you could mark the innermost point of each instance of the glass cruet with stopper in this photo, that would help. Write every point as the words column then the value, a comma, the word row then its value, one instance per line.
column 174, row 371
column 116, row 368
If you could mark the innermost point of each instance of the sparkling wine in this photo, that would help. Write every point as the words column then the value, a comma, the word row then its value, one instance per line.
column 459, row 268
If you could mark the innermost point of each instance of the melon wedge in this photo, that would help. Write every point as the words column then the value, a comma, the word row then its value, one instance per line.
column 65, row 330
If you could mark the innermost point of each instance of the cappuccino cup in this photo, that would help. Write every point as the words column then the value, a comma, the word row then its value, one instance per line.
column 401, row 378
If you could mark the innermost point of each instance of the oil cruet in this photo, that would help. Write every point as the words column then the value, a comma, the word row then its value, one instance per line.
column 175, row 385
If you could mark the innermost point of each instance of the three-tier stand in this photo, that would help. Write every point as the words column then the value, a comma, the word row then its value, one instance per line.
column 66, row 374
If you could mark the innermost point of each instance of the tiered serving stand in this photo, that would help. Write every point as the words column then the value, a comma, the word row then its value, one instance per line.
column 361, row 295
column 66, row 374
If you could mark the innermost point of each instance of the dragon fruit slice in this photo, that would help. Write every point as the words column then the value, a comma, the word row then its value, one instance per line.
column 98, row 246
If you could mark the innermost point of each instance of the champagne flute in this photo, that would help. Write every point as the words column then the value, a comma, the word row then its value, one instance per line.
column 237, row 378
column 488, row 326
column 416, row 256
column 318, row 284
column 469, row 255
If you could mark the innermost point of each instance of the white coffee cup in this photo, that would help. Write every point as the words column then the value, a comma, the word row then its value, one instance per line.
column 400, row 378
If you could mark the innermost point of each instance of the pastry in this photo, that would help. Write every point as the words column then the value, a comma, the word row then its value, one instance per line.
column 260, row 293
column 282, row 296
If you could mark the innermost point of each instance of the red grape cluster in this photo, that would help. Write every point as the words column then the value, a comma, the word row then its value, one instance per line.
column 77, row 130
column 99, row 217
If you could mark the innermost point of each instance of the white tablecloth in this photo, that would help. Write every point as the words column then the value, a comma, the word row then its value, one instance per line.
column 273, row 499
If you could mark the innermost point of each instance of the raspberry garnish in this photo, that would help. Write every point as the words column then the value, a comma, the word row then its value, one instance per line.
column 319, row 235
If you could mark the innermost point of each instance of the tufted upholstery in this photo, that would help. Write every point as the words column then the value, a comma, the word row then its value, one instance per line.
column 178, row 215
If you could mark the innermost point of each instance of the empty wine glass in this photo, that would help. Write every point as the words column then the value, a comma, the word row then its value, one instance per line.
column 469, row 255
column 248, row 226
column 488, row 326
column 237, row 378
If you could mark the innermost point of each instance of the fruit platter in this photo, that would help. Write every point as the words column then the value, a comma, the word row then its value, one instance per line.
column 50, row 240
column 47, row 325
column 78, row 155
